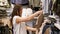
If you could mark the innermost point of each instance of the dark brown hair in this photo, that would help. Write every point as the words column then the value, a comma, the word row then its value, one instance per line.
column 17, row 11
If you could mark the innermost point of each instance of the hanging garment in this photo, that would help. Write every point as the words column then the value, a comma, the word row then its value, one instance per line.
column 30, row 23
column 55, row 30
column 19, row 1
column 27, row 12
column 5, row 3
column 30, row 2
column 54, row 26
column 57, row 24
column 12, row 1
column 46, row 27
column 4, row 29
column 34, row 3
column 39, row 22
column 50, row 5
column 45, row 6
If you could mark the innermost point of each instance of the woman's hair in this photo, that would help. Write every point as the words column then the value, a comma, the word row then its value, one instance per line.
column 17, row 11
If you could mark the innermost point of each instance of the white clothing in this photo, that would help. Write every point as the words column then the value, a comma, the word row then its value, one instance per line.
column 18, row 28
column 27, row 12
column 45, row 6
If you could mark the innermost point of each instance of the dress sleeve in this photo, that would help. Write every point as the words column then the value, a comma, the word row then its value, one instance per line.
column 14, row 19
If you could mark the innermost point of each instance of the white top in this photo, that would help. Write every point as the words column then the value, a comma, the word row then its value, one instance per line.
column 18, row 28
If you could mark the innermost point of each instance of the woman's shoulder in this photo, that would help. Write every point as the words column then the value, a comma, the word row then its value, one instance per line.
column 14, row 19
column 15, row 16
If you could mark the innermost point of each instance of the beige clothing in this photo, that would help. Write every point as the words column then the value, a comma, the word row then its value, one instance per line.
column 34, row 3
column 39, row 22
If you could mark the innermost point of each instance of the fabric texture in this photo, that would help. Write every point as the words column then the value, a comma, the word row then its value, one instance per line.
column 27, row 12
column 39, row 22
column 19, row 1
column 45, row 6
column 18, row 28
column 34, row 3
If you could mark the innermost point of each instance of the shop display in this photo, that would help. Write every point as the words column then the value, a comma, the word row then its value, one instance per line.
column 4, row 29
column 19, row 2
column 3, row 13
column 34, row 3
column 56, row 7
column 4, row 3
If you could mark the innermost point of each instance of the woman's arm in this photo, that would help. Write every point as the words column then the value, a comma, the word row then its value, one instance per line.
column 25, row 19
column 30, row 28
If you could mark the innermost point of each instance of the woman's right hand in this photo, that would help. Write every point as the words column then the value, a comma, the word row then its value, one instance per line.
column 38, row 12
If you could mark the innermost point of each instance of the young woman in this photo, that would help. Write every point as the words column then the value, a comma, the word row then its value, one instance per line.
column 19, row 21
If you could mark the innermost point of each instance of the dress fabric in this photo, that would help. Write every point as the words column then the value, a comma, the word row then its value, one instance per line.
column 18, row 28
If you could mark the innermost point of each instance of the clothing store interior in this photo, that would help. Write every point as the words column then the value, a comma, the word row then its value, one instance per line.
column 29, row 16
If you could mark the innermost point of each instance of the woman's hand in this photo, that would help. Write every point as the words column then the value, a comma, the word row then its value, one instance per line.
column 40, row 12
column 26, row 19
column 30, row 28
